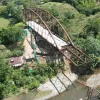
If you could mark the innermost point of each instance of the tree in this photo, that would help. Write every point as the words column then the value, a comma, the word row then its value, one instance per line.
column 5, row 71
column 1, row 91
column 17, row 53
column 85, row 6
column 10, row 34
column 15, row 12
column 3, row 9
column 68, row 15
column 92, row 28
column 89, row 46
column 54, row 11
column 29, row 3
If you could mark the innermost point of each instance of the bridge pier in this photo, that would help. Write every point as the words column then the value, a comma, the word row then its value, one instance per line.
column 51, row 54
column 67, row 65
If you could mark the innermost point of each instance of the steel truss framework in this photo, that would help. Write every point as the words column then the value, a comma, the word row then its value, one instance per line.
column 50, row 23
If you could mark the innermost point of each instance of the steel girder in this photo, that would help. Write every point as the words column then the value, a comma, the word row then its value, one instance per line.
column 50, row 23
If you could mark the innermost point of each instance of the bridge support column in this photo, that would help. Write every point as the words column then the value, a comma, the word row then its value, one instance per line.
column 67, row 62
column 67, row 65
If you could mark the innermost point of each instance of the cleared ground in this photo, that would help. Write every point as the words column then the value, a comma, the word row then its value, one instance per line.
column 3, row 22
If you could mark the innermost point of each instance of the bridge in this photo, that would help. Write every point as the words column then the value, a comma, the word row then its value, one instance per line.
column 50, row 29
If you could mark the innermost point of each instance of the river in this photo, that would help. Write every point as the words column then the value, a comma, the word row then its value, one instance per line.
column 78, row 92
column 73, row 93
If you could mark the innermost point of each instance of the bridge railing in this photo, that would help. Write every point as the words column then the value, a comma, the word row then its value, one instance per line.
column 53, row 24
column 50, row 23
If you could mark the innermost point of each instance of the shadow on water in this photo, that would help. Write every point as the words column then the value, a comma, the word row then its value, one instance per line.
column 78, row 93
column 24, row 96
column 33, row 95
column 73, row 94
column 29, row 96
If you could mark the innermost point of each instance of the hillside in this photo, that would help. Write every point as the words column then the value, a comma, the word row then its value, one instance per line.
column 61, row 7
column 74, row 25
column 25, row 67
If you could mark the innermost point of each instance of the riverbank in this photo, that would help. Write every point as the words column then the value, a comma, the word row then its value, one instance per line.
column 57, row 85
column 48, row 90
column 91, row 80
column 94, row 81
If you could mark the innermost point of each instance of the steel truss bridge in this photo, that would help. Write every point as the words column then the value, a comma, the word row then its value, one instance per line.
column 50, row 29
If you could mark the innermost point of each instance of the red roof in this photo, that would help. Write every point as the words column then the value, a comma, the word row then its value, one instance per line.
column 16, row 61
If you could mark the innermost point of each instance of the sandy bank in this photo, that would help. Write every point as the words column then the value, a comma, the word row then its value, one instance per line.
column 93, row 81
column 60, row 82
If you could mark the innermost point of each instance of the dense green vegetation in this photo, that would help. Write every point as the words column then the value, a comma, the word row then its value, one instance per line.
column 12, row 80
column 7, row 52
column 10, row 34
column 86, row 7
column 81, row 19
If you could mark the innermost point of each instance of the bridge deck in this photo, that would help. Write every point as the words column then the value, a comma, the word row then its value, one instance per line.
column 54, row 40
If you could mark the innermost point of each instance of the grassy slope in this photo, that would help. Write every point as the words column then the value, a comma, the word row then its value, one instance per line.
column 72, row 26
column 2, row 8
column 61, row 7
column 3, row 22
column 75, row 25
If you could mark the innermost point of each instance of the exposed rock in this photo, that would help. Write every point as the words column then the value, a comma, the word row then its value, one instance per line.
column 94, row 81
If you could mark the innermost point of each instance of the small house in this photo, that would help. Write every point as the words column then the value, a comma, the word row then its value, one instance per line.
column 17, row 61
